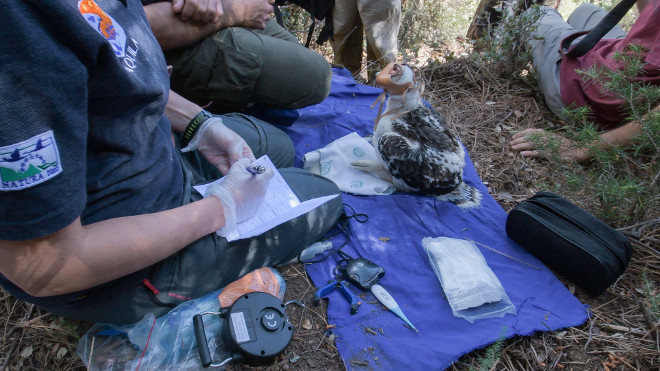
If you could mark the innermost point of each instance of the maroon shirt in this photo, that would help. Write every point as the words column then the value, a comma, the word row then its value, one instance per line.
column 610, row 111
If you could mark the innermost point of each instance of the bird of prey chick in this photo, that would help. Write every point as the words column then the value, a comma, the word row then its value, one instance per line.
column 420, row 153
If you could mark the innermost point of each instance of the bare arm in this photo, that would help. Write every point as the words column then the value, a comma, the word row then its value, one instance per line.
column 78, row 257
column 198, row 10
column 525, row 142
column 172, row 31
column 620, row 136
column 180, row 111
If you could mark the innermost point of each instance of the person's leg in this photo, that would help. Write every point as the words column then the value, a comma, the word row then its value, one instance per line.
column 382, row 20
column 211, row 262
column 587, row 15
column 544, row 44
column 292, row 76
column 348, row 35
column 263, row 138
column 236, row 67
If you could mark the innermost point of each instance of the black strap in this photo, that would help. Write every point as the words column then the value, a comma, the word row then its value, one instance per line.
column 593, row 36
column 328, row 31
column 311, row 28
column 278, row 14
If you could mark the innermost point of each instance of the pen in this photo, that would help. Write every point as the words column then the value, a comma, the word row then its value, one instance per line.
column 256, row 169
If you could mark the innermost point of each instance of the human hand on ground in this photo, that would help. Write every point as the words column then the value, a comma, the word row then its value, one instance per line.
column 247, row 13
column 219, row 144
column 240, row 192
column 540, row 143
column 208, row 11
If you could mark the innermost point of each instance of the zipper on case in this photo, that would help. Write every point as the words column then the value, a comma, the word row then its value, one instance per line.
column 582, row 227
column 565, row 238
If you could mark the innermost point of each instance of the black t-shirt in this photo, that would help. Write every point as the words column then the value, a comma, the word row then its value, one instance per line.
column 83, row 86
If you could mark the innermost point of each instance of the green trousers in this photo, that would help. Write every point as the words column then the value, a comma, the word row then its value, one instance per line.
column 236, row 67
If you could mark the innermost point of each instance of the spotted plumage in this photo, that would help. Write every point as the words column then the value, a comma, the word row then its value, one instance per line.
column 420, row 152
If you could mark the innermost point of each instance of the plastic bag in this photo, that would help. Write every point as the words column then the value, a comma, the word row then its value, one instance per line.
column 168, row 342
column 472, row 289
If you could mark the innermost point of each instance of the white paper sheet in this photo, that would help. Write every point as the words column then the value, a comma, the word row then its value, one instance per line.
column 280, row 205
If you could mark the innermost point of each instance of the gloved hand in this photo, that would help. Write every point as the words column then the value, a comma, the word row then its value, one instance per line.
column 219, row 144
column 240, row 192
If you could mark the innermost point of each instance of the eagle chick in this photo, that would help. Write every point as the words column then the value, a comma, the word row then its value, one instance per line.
column 421, row 153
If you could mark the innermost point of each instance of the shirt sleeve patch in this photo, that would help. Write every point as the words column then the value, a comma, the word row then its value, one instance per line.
column 30, row 162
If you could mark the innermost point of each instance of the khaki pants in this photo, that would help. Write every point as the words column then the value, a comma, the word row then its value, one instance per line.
column 380, row 20
column 546, row 40
column 236, row 67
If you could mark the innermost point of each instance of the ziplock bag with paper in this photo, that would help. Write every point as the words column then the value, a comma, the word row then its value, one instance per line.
column 472, row 289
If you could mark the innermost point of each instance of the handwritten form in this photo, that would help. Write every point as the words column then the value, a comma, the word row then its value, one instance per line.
column 280, row 205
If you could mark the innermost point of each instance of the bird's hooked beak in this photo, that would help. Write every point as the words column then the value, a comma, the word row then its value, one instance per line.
column 395, row 78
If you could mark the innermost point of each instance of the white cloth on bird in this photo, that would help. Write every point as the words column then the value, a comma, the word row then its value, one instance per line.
column 334, row 162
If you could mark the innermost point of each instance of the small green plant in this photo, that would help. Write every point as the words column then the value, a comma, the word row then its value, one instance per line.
column 432, row 24
column 492, row 354
column 503, row 44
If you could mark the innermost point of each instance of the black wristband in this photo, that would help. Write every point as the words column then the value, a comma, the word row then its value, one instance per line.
column 193, row 126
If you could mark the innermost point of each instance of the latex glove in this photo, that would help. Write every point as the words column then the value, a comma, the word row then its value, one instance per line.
column 240, row 192
column 219, row 144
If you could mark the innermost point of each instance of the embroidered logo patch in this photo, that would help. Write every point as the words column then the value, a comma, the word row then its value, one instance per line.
column 28, row 163
column 104, row 24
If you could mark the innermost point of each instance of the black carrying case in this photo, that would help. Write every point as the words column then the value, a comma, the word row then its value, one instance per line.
column 570, row 241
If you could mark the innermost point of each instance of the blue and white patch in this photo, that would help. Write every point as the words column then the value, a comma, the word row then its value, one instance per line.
column 30, row 162
column 105, row 25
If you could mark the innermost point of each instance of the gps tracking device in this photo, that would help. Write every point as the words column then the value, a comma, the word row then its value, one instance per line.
column 363, row 272
column 255, row 329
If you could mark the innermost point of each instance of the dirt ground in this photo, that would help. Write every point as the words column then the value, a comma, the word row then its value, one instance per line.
column 485, row 110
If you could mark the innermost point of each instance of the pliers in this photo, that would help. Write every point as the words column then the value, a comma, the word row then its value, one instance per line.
column 343, row 288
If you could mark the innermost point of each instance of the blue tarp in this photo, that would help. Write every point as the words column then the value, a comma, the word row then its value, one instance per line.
column 392, row 238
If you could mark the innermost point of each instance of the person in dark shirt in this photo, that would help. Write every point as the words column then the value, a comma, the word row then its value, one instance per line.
column 99, row 220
